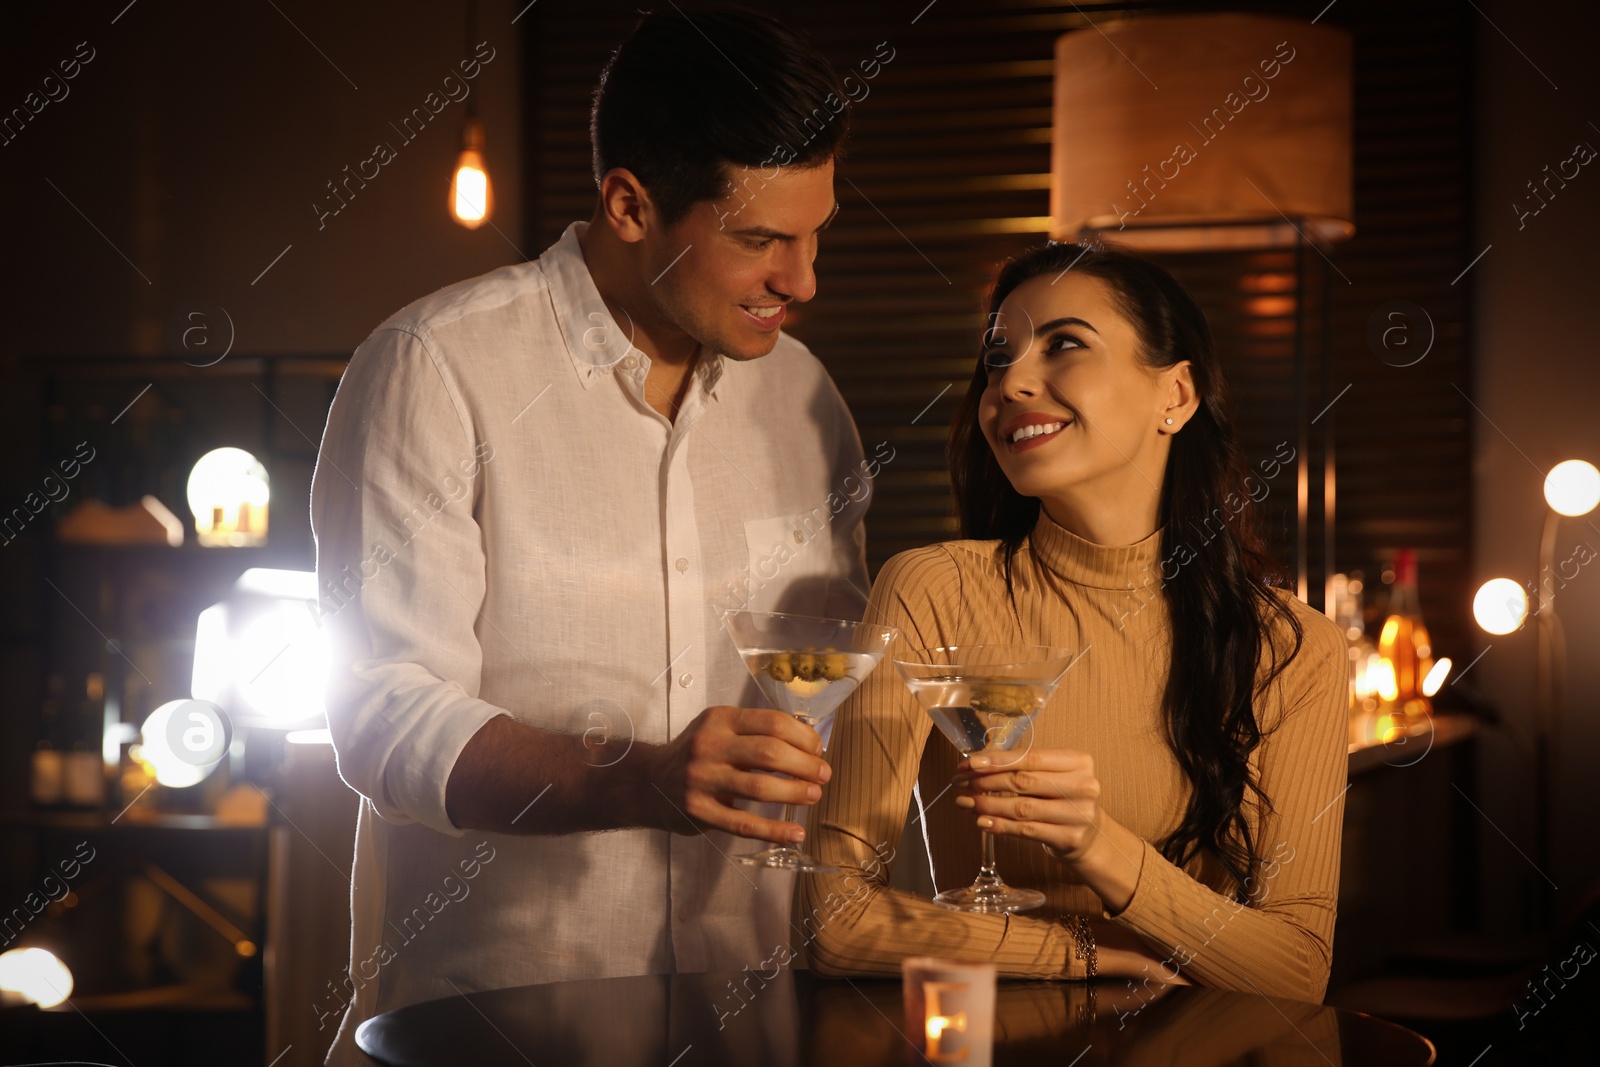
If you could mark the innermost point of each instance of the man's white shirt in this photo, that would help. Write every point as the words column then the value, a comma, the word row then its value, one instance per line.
column 505, row 526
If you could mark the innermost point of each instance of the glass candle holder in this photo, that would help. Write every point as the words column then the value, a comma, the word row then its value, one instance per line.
column 949, row 1010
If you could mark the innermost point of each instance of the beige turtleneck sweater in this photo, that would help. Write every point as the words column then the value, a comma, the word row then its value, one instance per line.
column 1105, row 603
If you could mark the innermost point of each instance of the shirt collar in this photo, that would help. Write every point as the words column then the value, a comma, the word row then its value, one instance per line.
column 597, row 346
column 1084, row 562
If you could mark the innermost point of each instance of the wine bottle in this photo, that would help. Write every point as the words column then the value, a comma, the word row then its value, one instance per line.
column 44, row 778
column 83, row 776
column 1404, row 643
column 1363, row 664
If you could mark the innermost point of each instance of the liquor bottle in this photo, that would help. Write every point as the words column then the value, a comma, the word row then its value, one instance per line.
column 1363, row 664
column 1404, row 643
column 44, row 778
column 83, row 779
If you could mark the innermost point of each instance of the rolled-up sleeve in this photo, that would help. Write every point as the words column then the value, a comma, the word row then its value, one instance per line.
column 400, row 567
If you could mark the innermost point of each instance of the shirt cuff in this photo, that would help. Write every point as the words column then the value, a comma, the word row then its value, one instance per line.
column 420, row 766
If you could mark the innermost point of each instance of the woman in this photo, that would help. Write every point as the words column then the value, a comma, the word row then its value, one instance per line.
column 1186, row 780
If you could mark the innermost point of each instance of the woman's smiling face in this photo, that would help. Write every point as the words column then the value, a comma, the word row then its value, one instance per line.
column 1071, row 413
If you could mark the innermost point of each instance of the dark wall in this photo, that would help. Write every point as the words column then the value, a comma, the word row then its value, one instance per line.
column 1537, row 385
column 194, row 145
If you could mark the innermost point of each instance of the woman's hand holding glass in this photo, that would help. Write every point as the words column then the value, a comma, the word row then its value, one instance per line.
column 1053, row 796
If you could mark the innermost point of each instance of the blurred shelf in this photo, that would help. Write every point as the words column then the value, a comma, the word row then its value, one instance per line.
column 187, row 997
column 187, row 549
column 1439, row 731
column 104, row 820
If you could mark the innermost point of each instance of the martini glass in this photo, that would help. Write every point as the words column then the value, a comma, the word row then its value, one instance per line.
column 805, row 667
column 984, row 698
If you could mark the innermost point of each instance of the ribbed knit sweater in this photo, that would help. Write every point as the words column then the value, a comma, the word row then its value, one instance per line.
column 1105, row 603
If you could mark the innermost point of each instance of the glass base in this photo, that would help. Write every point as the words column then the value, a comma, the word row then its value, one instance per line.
column 986, row 898
column 784, row 858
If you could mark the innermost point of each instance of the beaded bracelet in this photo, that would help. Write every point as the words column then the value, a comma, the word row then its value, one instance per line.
column 1083, row 938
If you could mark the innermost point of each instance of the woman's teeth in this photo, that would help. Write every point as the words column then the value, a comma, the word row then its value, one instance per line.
column 763, row 313
column 1035, row 430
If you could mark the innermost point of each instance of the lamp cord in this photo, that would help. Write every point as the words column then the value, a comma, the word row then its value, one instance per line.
column 472, row 33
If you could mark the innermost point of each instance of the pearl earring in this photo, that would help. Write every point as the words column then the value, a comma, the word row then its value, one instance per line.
column 1169, row 422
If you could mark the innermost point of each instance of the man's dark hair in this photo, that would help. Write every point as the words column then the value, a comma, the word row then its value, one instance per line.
column 687, row 94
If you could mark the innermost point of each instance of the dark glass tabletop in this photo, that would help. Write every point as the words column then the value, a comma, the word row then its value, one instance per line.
column 799, row 1020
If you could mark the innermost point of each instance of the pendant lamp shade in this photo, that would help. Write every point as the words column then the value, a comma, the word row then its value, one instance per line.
column 1190, row 132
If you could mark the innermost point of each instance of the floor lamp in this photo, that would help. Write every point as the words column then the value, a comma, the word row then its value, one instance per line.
column 1268, row 166
column 1572, row 488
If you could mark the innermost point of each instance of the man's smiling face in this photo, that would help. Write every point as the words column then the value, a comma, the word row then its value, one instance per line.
column 725, row 273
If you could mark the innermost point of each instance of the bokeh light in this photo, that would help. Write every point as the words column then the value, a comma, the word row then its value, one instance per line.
column 1573, row 487
column 157, row 753
column 1501, row 606
column 1436, row 677
column 36, row 975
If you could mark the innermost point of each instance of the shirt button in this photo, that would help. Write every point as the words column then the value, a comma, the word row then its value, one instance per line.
column 686, row 680
column 799, row 538
column 682, row 564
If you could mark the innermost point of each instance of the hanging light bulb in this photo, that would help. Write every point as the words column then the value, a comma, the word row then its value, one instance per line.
column 471, row 195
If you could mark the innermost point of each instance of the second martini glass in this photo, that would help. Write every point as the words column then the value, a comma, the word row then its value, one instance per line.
column 984, row 698
column 805, row 666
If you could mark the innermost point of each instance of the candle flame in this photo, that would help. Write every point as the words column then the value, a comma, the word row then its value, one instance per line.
column 938, row 1023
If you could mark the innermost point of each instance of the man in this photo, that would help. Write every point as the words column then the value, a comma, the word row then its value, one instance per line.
column 537, row 491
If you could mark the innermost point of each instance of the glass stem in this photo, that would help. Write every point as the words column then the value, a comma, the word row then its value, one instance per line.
column 987, row 875
column 788, row 816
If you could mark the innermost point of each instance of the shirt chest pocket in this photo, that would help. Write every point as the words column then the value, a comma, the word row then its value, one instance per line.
column 789, row 561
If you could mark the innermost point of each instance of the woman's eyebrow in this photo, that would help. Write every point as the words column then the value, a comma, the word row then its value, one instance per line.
column 1066, row 321
column 1042, row 330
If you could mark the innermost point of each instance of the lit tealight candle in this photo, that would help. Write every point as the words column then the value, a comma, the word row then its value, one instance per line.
column 949, row 1010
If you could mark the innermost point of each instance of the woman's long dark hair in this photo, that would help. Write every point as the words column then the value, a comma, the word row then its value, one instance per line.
column 1221, row 601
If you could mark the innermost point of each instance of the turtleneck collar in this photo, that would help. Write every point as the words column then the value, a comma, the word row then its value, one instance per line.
column 1098, row 566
